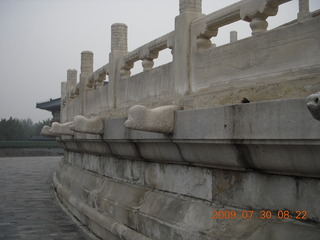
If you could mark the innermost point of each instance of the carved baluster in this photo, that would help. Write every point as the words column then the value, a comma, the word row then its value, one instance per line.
column 100, row 79
column 203, row 40
column 147, row 59
column 303, row 10
column 126, row 67
column 90, row 84
column 257, row 11
column 147, row 64
column 233, row 36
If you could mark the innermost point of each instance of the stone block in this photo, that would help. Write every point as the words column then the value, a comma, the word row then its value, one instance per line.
column 185, row 180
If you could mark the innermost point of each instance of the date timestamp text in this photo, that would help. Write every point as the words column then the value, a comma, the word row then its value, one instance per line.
column 263, row 214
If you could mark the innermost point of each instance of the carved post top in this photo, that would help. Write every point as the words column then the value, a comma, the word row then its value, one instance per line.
column 119, row 33
column 72, row 77
column 86, row 62
column 190, row 6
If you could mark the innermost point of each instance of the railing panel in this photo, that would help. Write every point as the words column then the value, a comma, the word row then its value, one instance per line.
column 151, row 86
column 147, row 53
column 197, row 64
column 259, row 59
column 96, row 101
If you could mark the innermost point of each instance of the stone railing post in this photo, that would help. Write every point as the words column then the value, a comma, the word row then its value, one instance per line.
column 86, row 65
column 63, row 105
column 71, row 79
column 71, row 84
column 119, row 48
column 147, row 59
column 189, row 11
column 86, row 70
column 303, row 10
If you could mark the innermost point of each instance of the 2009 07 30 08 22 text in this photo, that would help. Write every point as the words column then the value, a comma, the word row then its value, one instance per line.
column 263, row 214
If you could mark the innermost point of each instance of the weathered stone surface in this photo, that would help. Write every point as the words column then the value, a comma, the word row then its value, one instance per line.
column 160, row 120
column 166, row 215
column 250, row 190
column 313, row 104
column 61, row 129
column 243, row 136
column 87, row 125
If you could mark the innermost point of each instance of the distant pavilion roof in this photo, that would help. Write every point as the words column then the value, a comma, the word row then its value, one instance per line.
column 53, row 105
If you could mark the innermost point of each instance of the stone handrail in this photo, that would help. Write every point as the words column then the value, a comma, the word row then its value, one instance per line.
column 146, row 53
column 98, row 76
column 254, row 11
column 193, row 31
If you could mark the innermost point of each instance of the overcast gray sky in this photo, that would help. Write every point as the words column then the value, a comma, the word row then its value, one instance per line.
column 41, row 39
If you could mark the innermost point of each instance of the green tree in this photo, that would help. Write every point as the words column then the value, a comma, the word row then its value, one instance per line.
column 20, row 130
column 28, row 128
column 11, row 130
column 39, row 125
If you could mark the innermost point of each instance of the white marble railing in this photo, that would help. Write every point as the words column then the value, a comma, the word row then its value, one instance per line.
column 254, row 11
column 192, row 34
column 97, row 77
column 147, row 53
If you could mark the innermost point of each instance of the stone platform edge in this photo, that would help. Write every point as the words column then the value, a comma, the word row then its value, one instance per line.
column 278, row 136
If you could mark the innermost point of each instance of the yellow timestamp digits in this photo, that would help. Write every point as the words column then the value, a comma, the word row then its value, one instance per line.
column 263, row 214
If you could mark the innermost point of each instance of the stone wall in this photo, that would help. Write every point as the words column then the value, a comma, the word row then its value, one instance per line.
column 245, row 159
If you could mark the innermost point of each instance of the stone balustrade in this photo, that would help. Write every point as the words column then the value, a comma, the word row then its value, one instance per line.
column 147, row 53
column 97, row 78
column 178, row 79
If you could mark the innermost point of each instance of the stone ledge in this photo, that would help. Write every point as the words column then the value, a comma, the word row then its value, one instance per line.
column 278, row 137
column 227, row 187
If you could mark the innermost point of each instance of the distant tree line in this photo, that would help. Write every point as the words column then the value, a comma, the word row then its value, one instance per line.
column 15, row 129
